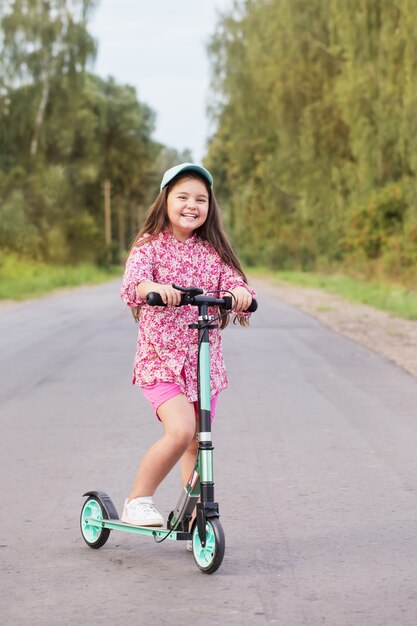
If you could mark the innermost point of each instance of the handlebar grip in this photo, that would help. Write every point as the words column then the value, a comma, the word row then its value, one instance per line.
column 154, row 299
column 229, row 305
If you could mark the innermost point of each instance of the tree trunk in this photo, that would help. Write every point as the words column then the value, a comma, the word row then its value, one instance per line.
column 107, row 216
column 40, row 114
column 122, row 229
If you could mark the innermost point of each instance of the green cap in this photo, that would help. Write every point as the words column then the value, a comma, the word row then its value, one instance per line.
column 185, row 167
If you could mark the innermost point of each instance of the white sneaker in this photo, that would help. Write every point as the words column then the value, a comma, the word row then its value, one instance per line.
column 189, row 545
column 141, row 512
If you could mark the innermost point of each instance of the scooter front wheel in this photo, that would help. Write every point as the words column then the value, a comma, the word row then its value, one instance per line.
column 210, row 557
column 94, row 536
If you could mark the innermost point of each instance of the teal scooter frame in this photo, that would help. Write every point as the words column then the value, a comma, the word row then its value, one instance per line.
column 99, row 515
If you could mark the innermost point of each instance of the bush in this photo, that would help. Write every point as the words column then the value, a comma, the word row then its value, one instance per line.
column 380, row 236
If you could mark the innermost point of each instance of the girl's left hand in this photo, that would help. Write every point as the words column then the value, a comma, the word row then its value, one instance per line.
column 242, row 299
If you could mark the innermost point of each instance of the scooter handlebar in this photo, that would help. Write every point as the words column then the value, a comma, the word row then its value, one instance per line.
column 154, row 299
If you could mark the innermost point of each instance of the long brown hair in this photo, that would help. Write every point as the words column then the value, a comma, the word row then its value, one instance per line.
column 156, row 221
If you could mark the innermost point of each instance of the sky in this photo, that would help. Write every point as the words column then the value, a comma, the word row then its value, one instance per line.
column 159, row 47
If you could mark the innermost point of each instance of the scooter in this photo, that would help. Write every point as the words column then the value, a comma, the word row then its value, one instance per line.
column 99, row 515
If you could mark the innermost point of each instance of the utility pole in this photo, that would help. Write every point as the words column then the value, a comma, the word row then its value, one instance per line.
column 122, row 230
column 107, row 217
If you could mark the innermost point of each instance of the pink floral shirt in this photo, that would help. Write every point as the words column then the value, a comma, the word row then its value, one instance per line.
column 167, row 348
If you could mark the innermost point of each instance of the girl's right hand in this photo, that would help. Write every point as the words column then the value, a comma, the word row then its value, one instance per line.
column 169, row 295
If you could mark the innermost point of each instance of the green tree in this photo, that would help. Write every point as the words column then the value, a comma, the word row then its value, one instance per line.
column 44, row 40
column 314, row 111
column 65, row 136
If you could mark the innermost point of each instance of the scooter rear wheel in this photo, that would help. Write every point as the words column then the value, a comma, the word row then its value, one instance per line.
column 94, row 536
column 210, row 557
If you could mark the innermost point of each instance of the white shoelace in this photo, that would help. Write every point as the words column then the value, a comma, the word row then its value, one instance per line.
column 146, row 507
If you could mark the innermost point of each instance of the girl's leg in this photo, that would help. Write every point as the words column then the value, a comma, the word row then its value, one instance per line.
column 178, row 418
column 187, row 461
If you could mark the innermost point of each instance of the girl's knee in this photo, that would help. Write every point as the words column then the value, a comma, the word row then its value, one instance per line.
column 181, row 434
column 178, row 418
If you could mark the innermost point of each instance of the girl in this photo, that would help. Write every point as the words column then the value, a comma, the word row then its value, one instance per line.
column 181, row 242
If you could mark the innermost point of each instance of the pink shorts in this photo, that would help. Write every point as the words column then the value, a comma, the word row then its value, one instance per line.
column 159, row 393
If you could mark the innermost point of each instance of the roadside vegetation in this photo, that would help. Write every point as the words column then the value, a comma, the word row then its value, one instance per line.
column 394, row 299
column 313, row 149
column 78, row 163
column 21, row 279
column 315, row 146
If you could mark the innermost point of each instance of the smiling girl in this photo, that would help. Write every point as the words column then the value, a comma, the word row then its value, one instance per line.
column 182, row 242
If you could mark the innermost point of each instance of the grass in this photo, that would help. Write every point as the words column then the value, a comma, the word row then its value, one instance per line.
column 21, row 279
column 393, row 299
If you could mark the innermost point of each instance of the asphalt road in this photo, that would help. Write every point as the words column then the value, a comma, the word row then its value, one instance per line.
column 315, row 469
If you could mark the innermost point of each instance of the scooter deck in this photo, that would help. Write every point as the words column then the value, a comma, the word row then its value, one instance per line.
column 153, row 531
